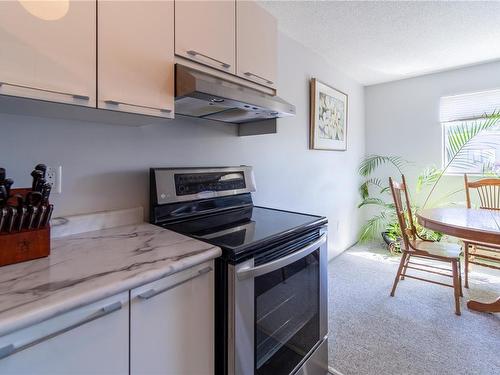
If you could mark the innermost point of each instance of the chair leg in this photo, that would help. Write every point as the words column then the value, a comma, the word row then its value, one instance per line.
column 405, row 267
column 466, row 263
column 460, row 277
column 400, row 268
column 456, row 287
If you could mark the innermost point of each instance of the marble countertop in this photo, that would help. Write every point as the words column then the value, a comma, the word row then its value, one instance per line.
column 84, row 268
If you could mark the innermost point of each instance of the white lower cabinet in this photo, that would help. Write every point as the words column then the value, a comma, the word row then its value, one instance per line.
column 93, row 339
column 172, row 324
column 165, row 327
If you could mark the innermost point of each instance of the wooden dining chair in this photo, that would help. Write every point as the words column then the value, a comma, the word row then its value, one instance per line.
column 414, row 246
column 488, row 190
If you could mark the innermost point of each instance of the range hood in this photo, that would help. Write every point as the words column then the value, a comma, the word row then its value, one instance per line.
column 199, row 94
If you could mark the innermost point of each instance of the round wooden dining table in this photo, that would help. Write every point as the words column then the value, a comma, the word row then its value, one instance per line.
column 475, row 225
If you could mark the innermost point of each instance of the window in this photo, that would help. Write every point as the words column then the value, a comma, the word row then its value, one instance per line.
column 471, row 143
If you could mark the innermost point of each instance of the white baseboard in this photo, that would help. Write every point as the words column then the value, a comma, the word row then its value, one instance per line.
column 333, row 371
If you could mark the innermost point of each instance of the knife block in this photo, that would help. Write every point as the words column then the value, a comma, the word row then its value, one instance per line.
column 28, row 244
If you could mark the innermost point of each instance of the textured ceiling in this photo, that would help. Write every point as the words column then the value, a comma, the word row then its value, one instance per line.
column 379, row 41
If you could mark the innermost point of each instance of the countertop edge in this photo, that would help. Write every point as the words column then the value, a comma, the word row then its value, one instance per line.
column 38, row 315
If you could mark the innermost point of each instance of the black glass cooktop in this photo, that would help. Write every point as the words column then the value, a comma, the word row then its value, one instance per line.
column 245, row 229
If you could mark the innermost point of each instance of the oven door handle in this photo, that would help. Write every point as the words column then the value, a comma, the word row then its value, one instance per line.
column 248, row 272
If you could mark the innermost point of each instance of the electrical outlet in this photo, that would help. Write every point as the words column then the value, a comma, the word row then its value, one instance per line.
column 54, row 177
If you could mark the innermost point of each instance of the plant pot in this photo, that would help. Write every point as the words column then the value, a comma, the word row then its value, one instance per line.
column 387, row 239
column 391, row 244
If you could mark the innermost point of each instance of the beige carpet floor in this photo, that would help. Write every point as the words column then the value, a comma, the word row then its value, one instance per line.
column 415, row 332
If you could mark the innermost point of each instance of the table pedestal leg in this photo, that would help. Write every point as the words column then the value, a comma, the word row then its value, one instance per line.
column 493, row 307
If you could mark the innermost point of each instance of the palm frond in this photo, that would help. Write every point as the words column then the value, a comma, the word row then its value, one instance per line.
column 364, row 188
column 372, row 162
column 385, row 190
column 458, row 139
column 462, row 134
column 376, row 202
column 373, row 227
column 427, row 177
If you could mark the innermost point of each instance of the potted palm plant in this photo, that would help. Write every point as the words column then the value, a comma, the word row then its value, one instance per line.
column 375, row 192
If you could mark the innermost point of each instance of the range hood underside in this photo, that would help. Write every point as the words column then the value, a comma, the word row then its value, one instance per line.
column 201, row 95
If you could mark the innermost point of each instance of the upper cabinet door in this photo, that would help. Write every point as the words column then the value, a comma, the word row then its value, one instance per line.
column 256, row 45
column 205, row 32
column 48, row 50
column 136, row 56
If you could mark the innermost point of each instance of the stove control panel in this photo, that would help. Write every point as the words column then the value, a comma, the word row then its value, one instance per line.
column 170, row 185
column 194, row 183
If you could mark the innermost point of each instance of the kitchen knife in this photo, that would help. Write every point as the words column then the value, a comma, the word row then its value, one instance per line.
column 37, row 175
column 21, row 212
column 42, row 209
column 39, row 184
column 12, row 218
column 33, row 199
column 3, row 195
column 42, row 168
column 48, row 215
column 46, row 189
column 3, row 217
column 8, row 182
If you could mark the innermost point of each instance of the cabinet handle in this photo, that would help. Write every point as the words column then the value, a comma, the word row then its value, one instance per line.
column 153, row 292
column 10, row 349
column 75, row 96
column 195, row 53
column 115, row 102
column 250, row 74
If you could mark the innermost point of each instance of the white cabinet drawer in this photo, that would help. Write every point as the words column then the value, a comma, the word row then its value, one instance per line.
column 89, row 340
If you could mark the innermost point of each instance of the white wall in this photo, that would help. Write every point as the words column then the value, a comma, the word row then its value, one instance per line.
column 106, row 166
column 402, row 117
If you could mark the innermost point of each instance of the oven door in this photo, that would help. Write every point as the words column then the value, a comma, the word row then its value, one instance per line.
column 279, row 314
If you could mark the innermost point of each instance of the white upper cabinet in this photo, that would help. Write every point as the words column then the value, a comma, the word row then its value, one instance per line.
column 256, row 43
column 136, row 57
column 48, row 50
column 205, row 31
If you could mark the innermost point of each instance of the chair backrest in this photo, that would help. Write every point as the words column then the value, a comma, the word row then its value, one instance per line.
column 403, row 210
column 488, row 190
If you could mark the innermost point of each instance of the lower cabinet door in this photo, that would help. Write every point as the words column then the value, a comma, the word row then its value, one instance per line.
column 90, row 340
column 172, row 324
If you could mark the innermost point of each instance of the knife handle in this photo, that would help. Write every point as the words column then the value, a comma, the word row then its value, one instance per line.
column 3, row 217
column 48, row 215
column 46, row 189
column 31, row 216
column 8, row 182
column 42, row 168
column 41, row 215
column 37, row 175
column 12, row 218
column 22, row 216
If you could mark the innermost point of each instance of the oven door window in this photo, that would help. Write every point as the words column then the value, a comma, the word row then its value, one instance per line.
column 286, row 316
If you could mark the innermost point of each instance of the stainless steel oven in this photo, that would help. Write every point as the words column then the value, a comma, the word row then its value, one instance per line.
column 277, row 315
column 271, row 280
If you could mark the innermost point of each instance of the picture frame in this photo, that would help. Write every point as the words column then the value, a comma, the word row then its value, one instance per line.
column 328, row 122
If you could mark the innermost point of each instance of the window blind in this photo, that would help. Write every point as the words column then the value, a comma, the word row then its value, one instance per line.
column 468, row 106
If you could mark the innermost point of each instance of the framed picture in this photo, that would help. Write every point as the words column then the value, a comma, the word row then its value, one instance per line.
column 328, row 128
